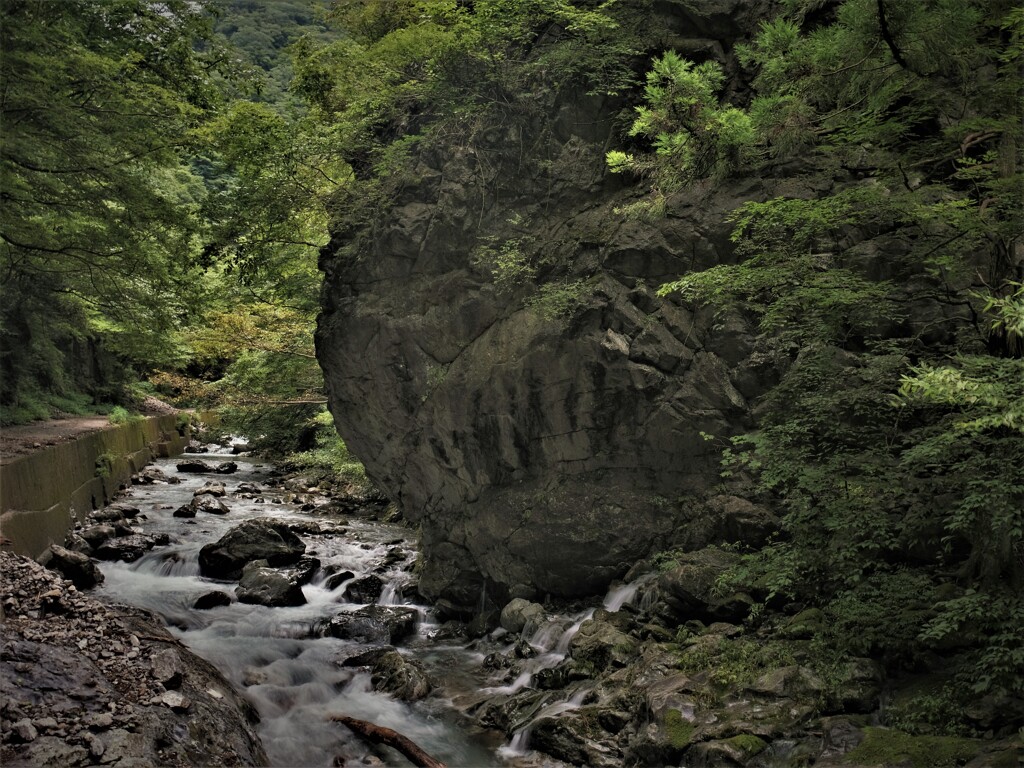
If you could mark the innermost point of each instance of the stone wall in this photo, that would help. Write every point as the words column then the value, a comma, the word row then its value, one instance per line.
column 42, row 494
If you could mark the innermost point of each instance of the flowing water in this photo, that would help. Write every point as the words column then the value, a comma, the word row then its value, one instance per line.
column 296, row 680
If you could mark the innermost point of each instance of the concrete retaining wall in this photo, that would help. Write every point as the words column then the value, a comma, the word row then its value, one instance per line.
column 42, row 494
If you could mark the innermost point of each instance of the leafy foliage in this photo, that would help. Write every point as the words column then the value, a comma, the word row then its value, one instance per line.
column 895, row 439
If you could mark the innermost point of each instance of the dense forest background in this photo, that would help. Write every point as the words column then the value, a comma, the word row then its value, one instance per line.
column 169, row 177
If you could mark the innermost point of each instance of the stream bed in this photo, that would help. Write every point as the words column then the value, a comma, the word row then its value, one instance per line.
column 295, row 679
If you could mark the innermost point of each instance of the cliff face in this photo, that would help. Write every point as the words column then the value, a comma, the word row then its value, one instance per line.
column 541, row 451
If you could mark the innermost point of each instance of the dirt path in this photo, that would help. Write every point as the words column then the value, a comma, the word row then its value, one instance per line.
column 28, row 438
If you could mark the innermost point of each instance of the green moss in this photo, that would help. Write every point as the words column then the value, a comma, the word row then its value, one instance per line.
column 679, row 731
column 883, row 746
column 749, row 745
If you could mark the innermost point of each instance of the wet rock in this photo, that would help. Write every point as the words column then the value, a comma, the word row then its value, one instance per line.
column 212, row 488
column 244, row 488
column 577, row 738
column 76, row 543
column 166, row 668
column 522, row 616
column 226, row 468
column 75, row 566
column 367, row 658
column 262, row 585
column 187, row 511
column 402, row 677
column 252, row 540
column 128, row 511
column 238, row 448
column 195, row 446
column 373, row 624
column 97, row 534
column 364, row 590
column 301, row 572
column 126, row 548
column 209, row 504
column 150, row 476
column 599, row 645
column 194, row 466
column 337, row 577
column 212, row 600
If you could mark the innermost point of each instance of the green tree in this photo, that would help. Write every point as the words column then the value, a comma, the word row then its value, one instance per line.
column 894, row 442
column 100, row 221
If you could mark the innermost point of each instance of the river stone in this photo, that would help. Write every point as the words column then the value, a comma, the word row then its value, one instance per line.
column 302, row 572
column 372, row 624
column 252, row 540
column 126, row 548
column 366, row 589
column 75, row 566
column 211, row 600
column 212, row 488
column 226, row 468
column 262, row 585
column 210, row 504
column 193, row 466
column 337, row 577
column 76, row 543
column 96, row 535
column 186, row 511
column 522, row 616
column 402, row 677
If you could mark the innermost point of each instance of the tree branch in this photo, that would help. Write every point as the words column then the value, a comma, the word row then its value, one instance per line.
column 378, row 734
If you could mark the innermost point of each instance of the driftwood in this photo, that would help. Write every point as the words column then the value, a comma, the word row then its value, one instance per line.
column 378, row 734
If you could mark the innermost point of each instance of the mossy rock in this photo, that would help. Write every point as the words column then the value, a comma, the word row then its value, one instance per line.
column 884, row 746
column 678, row 730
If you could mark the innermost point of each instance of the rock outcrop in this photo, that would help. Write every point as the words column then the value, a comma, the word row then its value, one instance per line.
column 537, row 430
column 86, row 683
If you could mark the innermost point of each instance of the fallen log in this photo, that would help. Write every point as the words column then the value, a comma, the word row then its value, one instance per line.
column 378, row 734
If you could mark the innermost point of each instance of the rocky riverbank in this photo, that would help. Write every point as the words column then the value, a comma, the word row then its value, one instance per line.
column 87, row 683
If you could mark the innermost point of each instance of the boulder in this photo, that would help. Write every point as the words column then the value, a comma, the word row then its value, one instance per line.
column 226, row 468
column 689, row 590
column 212, row 488
column 725, row 519
column 262, row 585
column 366, row 589
column 599, row 645
column 97, row 534
column 211, row 599
column 402, row 677
column 794, row 682
column 337, row 577
column 186, row 511
column 736, row 751
column 193, row 466
column 209, row 504
column 301, row 572
column 126, row 548
column 74, row 566
column 522, row 616
column 372, row 624
column 252, row 540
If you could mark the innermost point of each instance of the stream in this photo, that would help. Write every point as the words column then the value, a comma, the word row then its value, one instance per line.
column 294, row 679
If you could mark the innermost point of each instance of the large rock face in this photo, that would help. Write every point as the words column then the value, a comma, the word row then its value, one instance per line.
column 539, row 453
